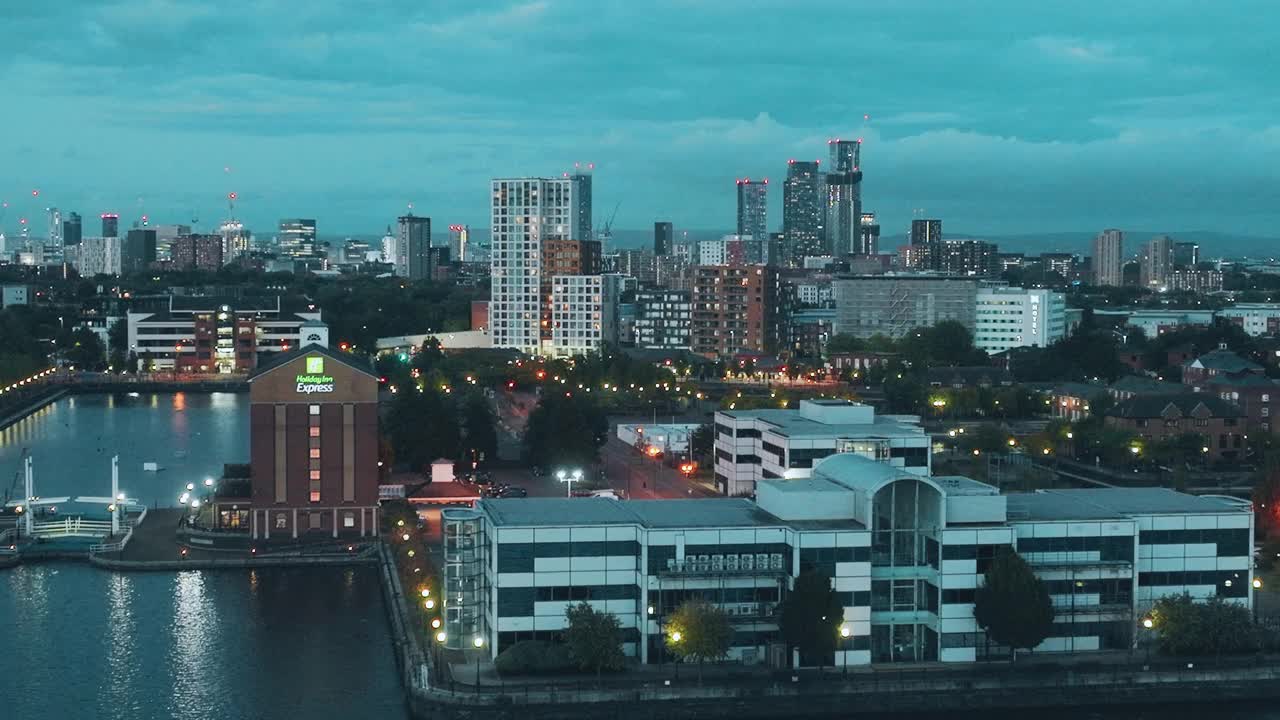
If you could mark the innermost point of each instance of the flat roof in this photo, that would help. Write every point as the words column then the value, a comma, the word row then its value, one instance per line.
column 702, row 512
column 542, row 512
column 1114, row 503
column 809, row 484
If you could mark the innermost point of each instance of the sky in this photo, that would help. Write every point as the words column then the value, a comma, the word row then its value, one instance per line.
column 999, row 117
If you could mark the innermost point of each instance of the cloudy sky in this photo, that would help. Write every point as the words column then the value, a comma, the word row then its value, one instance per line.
column 999, row 117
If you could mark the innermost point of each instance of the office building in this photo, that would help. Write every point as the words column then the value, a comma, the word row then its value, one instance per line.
column 110, row 225
column 1196, row 281
column 413, row 241
column 808, row 331
column 753, row 208
column 966, row 257
column 297, row 239
column 664, row 237
column 894, row 305
column 711, row 252
column 582, row 314
column 1108, row 258
column 200, row 334
column 1010, row 317
column 1156, row 263
column 803, row 214
column 926, row 231
column 72, row 229
column 639, row 264
column 844, row 198
column 55, row 226
column 313, row 447
column 870, row 244
column 733, row 310
column 196, row 252
column 459, row 240
column 235, row 240
column 526, row 212
column 1063, row 264
column 1186, row 254
column 1256, row 319
column 98, row 256
column 904, row 552
column 732, row 250
column 755, row 445
column 165, row 237
column 663, row 319
column 580, row 191
column 139, row 250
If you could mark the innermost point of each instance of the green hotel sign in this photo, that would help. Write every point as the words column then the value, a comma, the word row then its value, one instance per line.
column 315, row 380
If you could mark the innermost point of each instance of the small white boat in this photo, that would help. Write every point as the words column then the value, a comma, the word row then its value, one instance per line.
column 151, row 467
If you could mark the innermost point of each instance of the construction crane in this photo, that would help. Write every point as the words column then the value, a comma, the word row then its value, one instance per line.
column 605, row 233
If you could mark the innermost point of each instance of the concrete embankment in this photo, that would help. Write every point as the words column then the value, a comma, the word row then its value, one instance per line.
column 227, row 564
column 47, row 396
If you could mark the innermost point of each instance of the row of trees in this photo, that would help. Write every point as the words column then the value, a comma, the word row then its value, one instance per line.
column 428, row 424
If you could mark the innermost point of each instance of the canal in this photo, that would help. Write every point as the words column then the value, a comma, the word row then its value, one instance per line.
column 270, row 643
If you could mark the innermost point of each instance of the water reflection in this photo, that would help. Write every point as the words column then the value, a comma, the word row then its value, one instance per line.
column 121, row 635
column 195, row 632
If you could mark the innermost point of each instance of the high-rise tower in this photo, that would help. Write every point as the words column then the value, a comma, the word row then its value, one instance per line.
column 753, row 208
column 844, row 197
column 1108, row 254
column 526, row 214
column 664, row 236
column 580, row 182
column 413, row 245
column 803, row 218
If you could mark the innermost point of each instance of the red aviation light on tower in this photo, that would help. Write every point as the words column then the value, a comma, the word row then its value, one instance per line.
column 591, row 166
column 859, row 141
column 110, row 215
column 35, row 193
column 231, row 196
column 766, row 181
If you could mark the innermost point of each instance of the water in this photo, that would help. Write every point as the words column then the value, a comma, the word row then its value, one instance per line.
column 190, row 435
column 82, row 642
column 86, row 643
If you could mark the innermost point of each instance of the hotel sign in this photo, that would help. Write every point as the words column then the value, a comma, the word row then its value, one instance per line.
column 315, row 380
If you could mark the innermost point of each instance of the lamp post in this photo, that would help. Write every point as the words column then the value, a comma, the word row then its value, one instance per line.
column 675, row 638
column 569, row 478
column 1147, row 623
column 1257, row 585
column 845, row 632
column 478, row 643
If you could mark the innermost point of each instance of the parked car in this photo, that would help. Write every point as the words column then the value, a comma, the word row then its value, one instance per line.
column 513, row 492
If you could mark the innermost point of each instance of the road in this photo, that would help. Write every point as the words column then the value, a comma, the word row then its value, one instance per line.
column 626, row 470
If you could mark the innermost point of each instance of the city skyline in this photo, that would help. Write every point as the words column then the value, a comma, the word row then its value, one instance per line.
column 1087, row 114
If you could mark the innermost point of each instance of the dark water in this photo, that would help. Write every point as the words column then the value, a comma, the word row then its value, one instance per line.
column 77, row 642
column 85, row 643
column 190, row 435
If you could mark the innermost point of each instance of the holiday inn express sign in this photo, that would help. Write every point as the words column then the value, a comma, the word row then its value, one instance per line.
column 315, row 380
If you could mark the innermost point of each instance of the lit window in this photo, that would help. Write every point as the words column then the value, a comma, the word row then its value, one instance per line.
column 315, row 409
column 315, row 474
column 348, row 520
column 315, row 432
column 315, row 453
column 282, row 521
column 315, row 496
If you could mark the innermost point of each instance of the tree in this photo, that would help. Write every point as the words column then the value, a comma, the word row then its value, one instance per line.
column 698, row 631
column 118, row 345
column 86, row 351
column 594, row 639
column 1266, row 497
column 1013, row 605
column 423, row 426
column 480, row 438
column 565, row 430
column 1215, row 626
column 702, row 441
column 811, row 618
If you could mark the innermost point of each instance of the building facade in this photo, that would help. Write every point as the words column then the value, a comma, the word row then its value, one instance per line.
column 755, row 445
column 196, row 252
column 526, row 212
column 894, row 305
column 966, row 257
column 582, row 316
column 459, row 242
column 1196, row 281
column 1007, row 317
column 98, row 256
column 663, row 319
column 1256, row 319
column 1108, row 258
column 664, row 238
column 803, row 213
column 870, row 244
column 313, row 446
column 220, row 335
column 298, row 239
column 733, row 309
column 844, row 197
column 904, row 554
column 753, row 208
column 139, row 250
column 1156, row 265
column 413, row 245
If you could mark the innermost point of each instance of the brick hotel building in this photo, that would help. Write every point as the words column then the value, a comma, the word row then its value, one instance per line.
column 314, row 446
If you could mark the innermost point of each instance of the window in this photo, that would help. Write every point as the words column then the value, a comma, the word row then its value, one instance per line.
column 282, row 521
column 315, row 475
column 348, row 519
column 314, row 431
column 315, row 496
column 314, row 409
column 315, row 453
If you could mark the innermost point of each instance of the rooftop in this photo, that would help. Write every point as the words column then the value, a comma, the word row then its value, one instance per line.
column 356, row 362
column 550, row 512
column 1115, row 503
column 701, row 512
column 1224, row 360
column 681, row 513
column 1184, row 405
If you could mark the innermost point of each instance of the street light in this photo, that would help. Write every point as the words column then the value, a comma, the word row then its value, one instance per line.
column 569, row 478
column 845, row 632
column 478, row 642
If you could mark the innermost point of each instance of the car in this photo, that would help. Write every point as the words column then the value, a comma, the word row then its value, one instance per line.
column 483, row 478
column 513, row 492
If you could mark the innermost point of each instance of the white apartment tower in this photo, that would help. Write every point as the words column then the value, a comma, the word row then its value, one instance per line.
column 1108, row 258
column 525, row 212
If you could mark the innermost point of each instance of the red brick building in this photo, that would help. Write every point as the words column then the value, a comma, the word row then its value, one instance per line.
column 314, row 446
column 733, row 309
column 1164, row 417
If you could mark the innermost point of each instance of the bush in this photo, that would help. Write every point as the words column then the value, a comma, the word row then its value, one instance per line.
column 535, row 657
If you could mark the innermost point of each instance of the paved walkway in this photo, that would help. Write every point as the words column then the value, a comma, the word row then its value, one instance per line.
column 156, row 538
